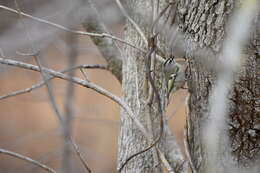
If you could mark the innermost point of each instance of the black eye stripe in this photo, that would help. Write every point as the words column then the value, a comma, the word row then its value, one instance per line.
column 169, row 61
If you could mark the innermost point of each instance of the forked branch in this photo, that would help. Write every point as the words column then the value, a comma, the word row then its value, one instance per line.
column 80, row 82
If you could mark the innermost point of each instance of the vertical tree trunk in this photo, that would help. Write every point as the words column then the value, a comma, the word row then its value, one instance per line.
column 135, row 89
column 136, row 92
column 204, row 24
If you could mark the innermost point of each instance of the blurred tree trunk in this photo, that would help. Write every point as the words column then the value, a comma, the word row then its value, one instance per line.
column 67, row 157
column 204, row 24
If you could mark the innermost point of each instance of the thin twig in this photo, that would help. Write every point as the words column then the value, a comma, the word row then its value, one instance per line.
column 102, row 35
column 187, row 151
column 44, row 77
column 40, row 84
column 84, row 83
column 63, row 120
column 83, row 73
column 160, row 15
column 137, row 28
column 165, row 162
column 27, row 159
column 76, row 148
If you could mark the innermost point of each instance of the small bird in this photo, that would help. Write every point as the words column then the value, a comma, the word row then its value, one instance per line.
column 174, row 75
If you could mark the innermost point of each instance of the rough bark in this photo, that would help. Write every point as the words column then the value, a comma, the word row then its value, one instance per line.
column 136, row 92
column 203, row 23
column 93, row 23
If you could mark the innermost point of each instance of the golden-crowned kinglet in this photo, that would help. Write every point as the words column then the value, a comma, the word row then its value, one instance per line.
column 174, row 75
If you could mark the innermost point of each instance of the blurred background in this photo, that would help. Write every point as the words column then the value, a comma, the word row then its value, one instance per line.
column 28, row 124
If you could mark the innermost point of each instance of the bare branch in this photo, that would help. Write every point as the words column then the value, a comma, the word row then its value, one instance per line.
column 110, row 51
column 84, row 83
column 76, row 148
column 165, row 162
column 40, row 84
column 81, row 82
column 27, row 159
column 187, row 151
column 101, row 35
column 44, row 77
column 64, row 121
column 140, row 32
column 137, row 28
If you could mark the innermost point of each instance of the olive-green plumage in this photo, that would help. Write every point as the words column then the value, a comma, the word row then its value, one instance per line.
column 171, row 83
column 174, row 75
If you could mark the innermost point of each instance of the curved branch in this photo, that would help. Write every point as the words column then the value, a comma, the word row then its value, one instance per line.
column 81, row 82
column 84, row 83
column 108, row 49
column 137, row 28
column 76, row 148
column 41, row 83
column 27, row 159
column 100, row 35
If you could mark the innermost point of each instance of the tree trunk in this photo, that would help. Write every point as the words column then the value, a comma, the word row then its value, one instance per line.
column 135, row 86
column 204, row 25
column 135, row 89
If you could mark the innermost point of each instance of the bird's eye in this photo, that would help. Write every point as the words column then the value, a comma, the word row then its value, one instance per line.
column 173, row 76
